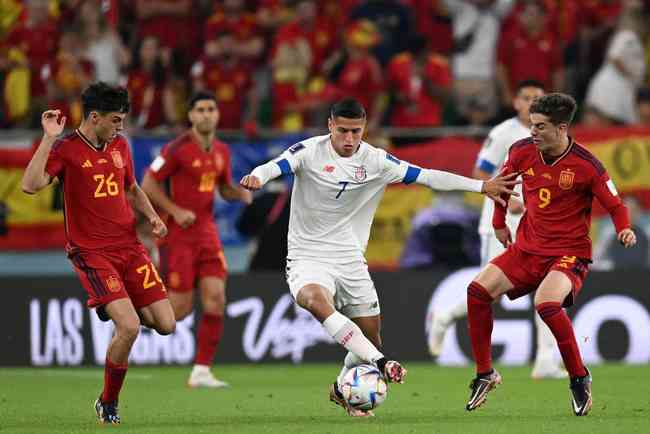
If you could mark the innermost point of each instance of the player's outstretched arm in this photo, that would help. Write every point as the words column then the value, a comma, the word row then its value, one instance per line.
column 493, row 188
column 261, row 175
column 231, row 192
column 35, row 178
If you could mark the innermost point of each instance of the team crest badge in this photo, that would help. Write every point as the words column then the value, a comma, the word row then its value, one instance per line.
column 566, row 179
column 360, row 174
column 113, row 284
column 117, row 159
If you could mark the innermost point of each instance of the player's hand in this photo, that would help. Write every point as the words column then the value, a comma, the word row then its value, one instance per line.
column 500, row 184
column 504, row 236
column 158, row 227
column 627, row 237
column 515, row 206
column 53, row 123
column 246, row 196
column 251, row 182
column 184, row 218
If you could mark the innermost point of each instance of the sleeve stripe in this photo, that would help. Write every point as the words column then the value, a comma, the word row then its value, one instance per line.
column 284, row 165
column 486, row 166
column 411, row 175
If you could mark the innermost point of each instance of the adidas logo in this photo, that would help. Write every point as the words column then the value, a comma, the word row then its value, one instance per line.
column 530, row 172
column 87, row 164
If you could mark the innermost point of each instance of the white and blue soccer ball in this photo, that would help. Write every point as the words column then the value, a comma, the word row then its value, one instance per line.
column 364, row 387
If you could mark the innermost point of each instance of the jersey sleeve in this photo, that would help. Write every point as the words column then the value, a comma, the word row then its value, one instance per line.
column 491, row 155
column 605, row 191
column 165, row 164
column 54, row 165
column 129, row 174
column 291, row 160
column 225, row 177
column 394, row 170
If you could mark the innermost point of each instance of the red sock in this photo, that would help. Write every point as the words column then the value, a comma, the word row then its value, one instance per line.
column 113, row 379
column 480, row 321
column 558, row 321
column 208, row 336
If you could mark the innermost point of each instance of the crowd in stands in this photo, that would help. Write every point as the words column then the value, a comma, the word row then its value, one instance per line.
column 280, row 63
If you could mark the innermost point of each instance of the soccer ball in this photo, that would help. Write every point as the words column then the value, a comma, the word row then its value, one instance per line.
column 363, row 387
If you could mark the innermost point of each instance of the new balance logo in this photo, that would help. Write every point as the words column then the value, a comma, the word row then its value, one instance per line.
column 329, row 169
column 87, row 164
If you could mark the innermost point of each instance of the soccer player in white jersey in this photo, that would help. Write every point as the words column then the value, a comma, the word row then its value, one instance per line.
column 490, row 159
column 339, row 181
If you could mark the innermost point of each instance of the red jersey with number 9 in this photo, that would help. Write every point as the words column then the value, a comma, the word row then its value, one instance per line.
column 97, row 212
column 558, row 197
column 193, row 174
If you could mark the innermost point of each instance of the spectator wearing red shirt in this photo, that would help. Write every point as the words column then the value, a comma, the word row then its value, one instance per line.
column 66, row 75
column 232, row 18
column 420, row 83
column 171, row 22
column 152, row 102
column 529, row 50
column 221, row 71
column 37, row 37
column 433, row 22
column 299, row 49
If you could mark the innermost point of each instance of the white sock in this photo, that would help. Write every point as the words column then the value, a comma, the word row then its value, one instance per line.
column 348, row 334
column 458, row 311
column 351, row 360
column 199, row 369
column 545, row 343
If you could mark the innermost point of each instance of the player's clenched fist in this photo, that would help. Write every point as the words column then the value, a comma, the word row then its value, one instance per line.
column 158, row 227
column 627, row 237
column 251, row 182
column 53, row 123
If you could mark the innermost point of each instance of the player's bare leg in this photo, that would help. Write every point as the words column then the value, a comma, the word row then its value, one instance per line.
column 209, row 331
column 159, row 316
column 550, row 296
column 490, row 283
column 127, row 327
column 182, row 303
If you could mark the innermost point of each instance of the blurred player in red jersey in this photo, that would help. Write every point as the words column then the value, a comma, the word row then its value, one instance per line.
column 95, row 167
column 552, row 250
column 194, row 164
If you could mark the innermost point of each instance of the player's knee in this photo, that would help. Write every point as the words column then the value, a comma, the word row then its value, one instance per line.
column 182, row 310
column 166, row 327
column 476, row 291
column 128, row 329
column 215, row 303
column 313, row 301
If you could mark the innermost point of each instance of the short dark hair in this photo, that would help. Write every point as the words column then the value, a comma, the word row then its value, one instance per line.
column 529, row 83
column 559, row 107
column 200, row 96
column 643, row 95
column 348, row 108
column 104, row 98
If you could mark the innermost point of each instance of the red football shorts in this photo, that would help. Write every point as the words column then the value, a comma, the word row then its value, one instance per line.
column 526, row 271
column 127, row 272
column 184, row 263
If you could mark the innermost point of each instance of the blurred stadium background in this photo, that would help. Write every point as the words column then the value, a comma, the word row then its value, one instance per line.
column 435, row 75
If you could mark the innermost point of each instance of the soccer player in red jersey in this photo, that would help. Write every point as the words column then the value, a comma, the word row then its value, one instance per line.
column 194, row 164
column 552, row 250
column 95, row 167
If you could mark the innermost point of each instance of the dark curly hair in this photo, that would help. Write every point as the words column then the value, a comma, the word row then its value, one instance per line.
column 104, row 98
column 559, row 107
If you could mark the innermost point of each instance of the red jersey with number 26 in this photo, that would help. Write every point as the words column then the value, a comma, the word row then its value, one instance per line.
column 97, row 212
column 558, row 196
column 193, row 174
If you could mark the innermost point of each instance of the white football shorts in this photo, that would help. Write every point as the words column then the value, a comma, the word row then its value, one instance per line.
column 350, row 284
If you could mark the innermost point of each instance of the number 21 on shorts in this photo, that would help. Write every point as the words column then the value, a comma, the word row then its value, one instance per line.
column 148, row 270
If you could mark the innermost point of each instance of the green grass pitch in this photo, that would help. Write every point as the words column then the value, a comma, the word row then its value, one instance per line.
column 267, row 399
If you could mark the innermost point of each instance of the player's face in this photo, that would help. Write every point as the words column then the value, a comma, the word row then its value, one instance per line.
column 346, row 134
column 546, row 136
column 204, row 116
column 524, row 99
column 108, row 125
